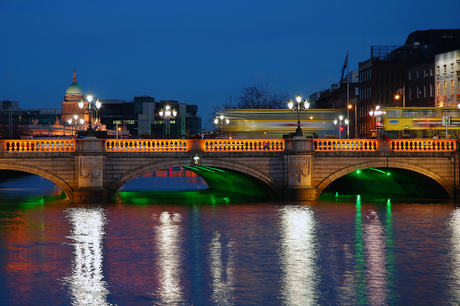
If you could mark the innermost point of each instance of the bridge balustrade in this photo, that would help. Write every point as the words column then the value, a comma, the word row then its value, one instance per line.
column 145, row 145
column 423, row 144
column 345, row 145
column 244, row 145
column 39, row 145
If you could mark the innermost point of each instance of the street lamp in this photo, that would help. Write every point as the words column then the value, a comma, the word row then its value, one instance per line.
column 75, row 122
column 401, row 93
column 221, row 120
column 354, row 104
column 377, row 114
column 341, row 123
column 97, row 105
column 298, row 108
column 167, row 114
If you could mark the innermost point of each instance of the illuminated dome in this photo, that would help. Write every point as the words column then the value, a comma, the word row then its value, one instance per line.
column 74, row 88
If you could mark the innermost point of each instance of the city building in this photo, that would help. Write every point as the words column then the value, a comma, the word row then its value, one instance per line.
column 408, row 70
column 447, row 71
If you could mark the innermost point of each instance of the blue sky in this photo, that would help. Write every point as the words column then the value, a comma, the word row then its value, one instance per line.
column 196, row 52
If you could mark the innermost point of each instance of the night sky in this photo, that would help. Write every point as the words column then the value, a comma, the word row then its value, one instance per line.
column 196, row 52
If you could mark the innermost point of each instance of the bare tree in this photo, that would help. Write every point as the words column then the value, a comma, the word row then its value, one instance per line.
column 254, row 98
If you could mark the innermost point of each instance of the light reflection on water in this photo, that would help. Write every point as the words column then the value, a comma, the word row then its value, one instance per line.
column 86, row 284
column 168, row 244
column 298, row 255
column 319, row 253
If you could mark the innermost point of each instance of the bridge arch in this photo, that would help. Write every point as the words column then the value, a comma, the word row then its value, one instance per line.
column 43, row 173
column 379, row 164
column 268, row 183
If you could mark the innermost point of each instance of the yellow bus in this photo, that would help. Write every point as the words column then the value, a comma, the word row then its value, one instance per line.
column 420, row 122
column 279, row 123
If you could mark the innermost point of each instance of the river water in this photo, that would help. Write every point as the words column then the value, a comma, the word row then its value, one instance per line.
column 187, row 246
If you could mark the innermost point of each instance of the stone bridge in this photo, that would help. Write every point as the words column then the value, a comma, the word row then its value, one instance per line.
column 92, row 170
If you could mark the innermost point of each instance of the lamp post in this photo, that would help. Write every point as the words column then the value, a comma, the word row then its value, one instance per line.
column 221, row 121
column 377, row 114
column 341, row 123
column 354, row 104
column 75, row 122
column 401, row 93
column 97, row 105
column 298, row 108
column 167, row 114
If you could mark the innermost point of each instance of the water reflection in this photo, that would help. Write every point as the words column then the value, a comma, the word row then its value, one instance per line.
column 376, row 260
column 86, row 283
column 222, row 279
column 298, row 255
column 454, row 225
column 168, row 244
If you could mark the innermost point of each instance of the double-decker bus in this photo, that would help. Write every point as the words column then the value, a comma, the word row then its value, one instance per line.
column 279, row 123
column 420, row 122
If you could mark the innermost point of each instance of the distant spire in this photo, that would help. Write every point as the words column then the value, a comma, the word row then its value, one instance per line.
column 74, row 76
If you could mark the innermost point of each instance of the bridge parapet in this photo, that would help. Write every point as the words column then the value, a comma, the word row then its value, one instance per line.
column 415, row 145
column 227, row 145
column 38, row 145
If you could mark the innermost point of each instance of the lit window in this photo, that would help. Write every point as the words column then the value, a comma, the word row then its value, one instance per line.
column 438, row 89
column 445, row 88
column 452, row 87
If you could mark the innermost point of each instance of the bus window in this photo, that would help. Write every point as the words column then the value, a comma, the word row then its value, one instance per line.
column 410, row 113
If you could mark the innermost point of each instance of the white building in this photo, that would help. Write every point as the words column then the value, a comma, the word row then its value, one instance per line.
column 447, row 69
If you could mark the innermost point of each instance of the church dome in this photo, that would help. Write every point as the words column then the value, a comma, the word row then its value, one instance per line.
column 74, row 88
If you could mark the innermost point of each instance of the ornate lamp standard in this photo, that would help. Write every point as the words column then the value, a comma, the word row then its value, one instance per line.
column 97, row 105
column 341, row 123
column 298, row 108
column 377, row 114
column 221, row 121
column 167, row 114
column 75, row 122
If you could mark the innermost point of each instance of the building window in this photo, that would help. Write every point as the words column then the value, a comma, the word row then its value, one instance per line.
column 445, row 88
column 417, row 73
column 425, row 91
column 431, row 90
column 431, row 71
column 410, row 93
column 418, row 92
column 452, row 87
column 437, row 70
column 444, row 69
column 438, row 89
column 409, row 76
column 425, row 73
column 452, row 67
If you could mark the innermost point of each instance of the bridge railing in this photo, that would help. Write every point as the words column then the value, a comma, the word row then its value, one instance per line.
column 146, row 145
column 345, row 145
column 221, row 145
column 38, row 145
column 423, row 144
